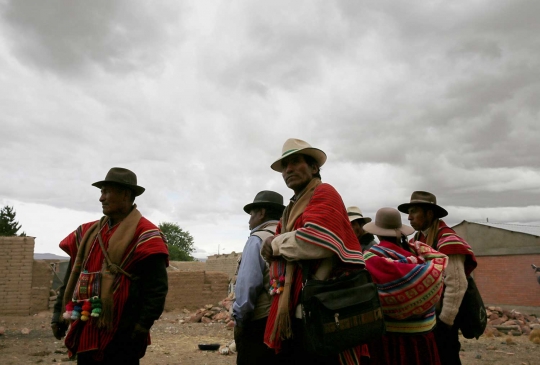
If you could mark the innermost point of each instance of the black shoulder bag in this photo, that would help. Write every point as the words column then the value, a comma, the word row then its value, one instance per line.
column 472, row 317
column 341, row 313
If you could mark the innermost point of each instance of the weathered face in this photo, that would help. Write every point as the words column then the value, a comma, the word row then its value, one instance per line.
column 256, row 217
column 419, row 218
column 114, row 200
column 358, row 228
column 296, row 172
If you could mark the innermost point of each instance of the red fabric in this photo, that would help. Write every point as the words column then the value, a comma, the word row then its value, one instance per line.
column 324, row 213
column 85, row 336
column 445, row 234
column 394, row 349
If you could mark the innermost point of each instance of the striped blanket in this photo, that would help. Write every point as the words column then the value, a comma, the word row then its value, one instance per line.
column 410, row 283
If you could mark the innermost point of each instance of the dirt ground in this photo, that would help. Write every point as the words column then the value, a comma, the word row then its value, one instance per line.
column 28, row 340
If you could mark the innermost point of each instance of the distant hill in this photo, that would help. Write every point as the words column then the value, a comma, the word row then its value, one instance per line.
column 49, row 256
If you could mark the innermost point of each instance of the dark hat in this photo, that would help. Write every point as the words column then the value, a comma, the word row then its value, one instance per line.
column 121, row 176
column 428, row 200
column 266, row 198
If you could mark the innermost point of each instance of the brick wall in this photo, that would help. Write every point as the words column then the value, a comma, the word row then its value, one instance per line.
column 194, row 289
column 223, row 263
column 508, row 280
column 16, row 261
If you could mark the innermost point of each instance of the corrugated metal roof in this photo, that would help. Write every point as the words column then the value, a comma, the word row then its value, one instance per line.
column 521, row 228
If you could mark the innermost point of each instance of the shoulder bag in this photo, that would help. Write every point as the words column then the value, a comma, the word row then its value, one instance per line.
column 341, row 313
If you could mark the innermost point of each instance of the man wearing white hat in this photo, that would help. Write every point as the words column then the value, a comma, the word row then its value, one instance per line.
column 314, row 230
column 366, row 239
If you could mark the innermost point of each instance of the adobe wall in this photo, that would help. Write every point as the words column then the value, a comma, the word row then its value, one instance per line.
column 42, row 278
column 187, row 266
column 16, row 264
column 224, row 263
column 194, row 289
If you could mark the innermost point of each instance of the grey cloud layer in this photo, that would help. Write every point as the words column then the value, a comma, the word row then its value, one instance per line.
column 198, row 101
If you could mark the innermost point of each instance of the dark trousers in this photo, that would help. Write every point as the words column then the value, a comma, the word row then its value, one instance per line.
column 448, row 345
column 294, row 351
column 250, row 346
column 122, row 350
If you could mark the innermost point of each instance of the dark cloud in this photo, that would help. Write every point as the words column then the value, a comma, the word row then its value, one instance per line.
column 74, row 37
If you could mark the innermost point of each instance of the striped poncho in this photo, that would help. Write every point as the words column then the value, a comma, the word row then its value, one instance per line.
column 324, row 223
column 410, row 283
column 449, row 243
column 146, row 241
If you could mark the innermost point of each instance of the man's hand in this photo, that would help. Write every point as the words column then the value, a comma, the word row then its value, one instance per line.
column 59, row 329
column 266, row 250
column 139, row 332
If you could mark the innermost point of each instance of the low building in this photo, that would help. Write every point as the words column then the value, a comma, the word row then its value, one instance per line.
column 505, row 253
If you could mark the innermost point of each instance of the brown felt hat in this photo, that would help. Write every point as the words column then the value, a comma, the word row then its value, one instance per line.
column 425, row 199
column 388, row 223
column 121, row 176
column 355, row 213
column 292, row 146
column 266, row 198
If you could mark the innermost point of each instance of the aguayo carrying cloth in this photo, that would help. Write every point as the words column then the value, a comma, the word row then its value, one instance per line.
column 94, row 285
column 318, row 217
column 410, row 283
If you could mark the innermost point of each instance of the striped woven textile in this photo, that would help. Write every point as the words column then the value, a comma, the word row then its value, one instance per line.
column 86, row 336
column 449, row 243
column 324, row 222
column 410, row 283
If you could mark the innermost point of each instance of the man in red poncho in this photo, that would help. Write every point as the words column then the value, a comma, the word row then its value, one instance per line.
column 117, row 282
column 425, row 217
column 314, row 227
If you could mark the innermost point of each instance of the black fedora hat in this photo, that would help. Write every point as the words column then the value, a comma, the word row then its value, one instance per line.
column 121, row 176
column 425, row 199
column 266, row 198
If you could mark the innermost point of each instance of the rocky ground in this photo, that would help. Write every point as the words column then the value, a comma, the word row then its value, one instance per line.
column 28, row 340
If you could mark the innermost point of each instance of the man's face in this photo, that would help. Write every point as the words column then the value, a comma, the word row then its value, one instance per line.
column 358, row 228
column 256, row 217
column 114, row 200
column 296, row 172
column 419, row 218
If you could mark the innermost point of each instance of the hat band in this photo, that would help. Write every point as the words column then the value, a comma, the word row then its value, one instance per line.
column 289, row 151
column 351, row 214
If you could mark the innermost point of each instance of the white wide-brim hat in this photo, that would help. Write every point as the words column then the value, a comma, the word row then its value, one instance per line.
column 388, row 223
column 292, row 146
column 355, row 213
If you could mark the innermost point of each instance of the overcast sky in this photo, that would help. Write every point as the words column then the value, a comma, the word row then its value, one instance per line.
column 198, row 97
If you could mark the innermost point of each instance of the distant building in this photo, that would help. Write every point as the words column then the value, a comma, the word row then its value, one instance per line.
column 505, row 253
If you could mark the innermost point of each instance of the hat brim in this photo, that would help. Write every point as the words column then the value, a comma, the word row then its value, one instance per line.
column 251, row 206
column 136, row 188
column 373, row 229
column 316, row 153
column 440, row 212
column 358, row 218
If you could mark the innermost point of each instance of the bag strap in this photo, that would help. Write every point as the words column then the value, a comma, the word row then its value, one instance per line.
column 113, row 268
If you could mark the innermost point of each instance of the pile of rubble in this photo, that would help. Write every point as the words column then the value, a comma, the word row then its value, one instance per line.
column 220, row 313
column 505, row 322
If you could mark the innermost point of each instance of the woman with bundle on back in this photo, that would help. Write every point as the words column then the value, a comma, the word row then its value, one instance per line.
column 409, row 278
